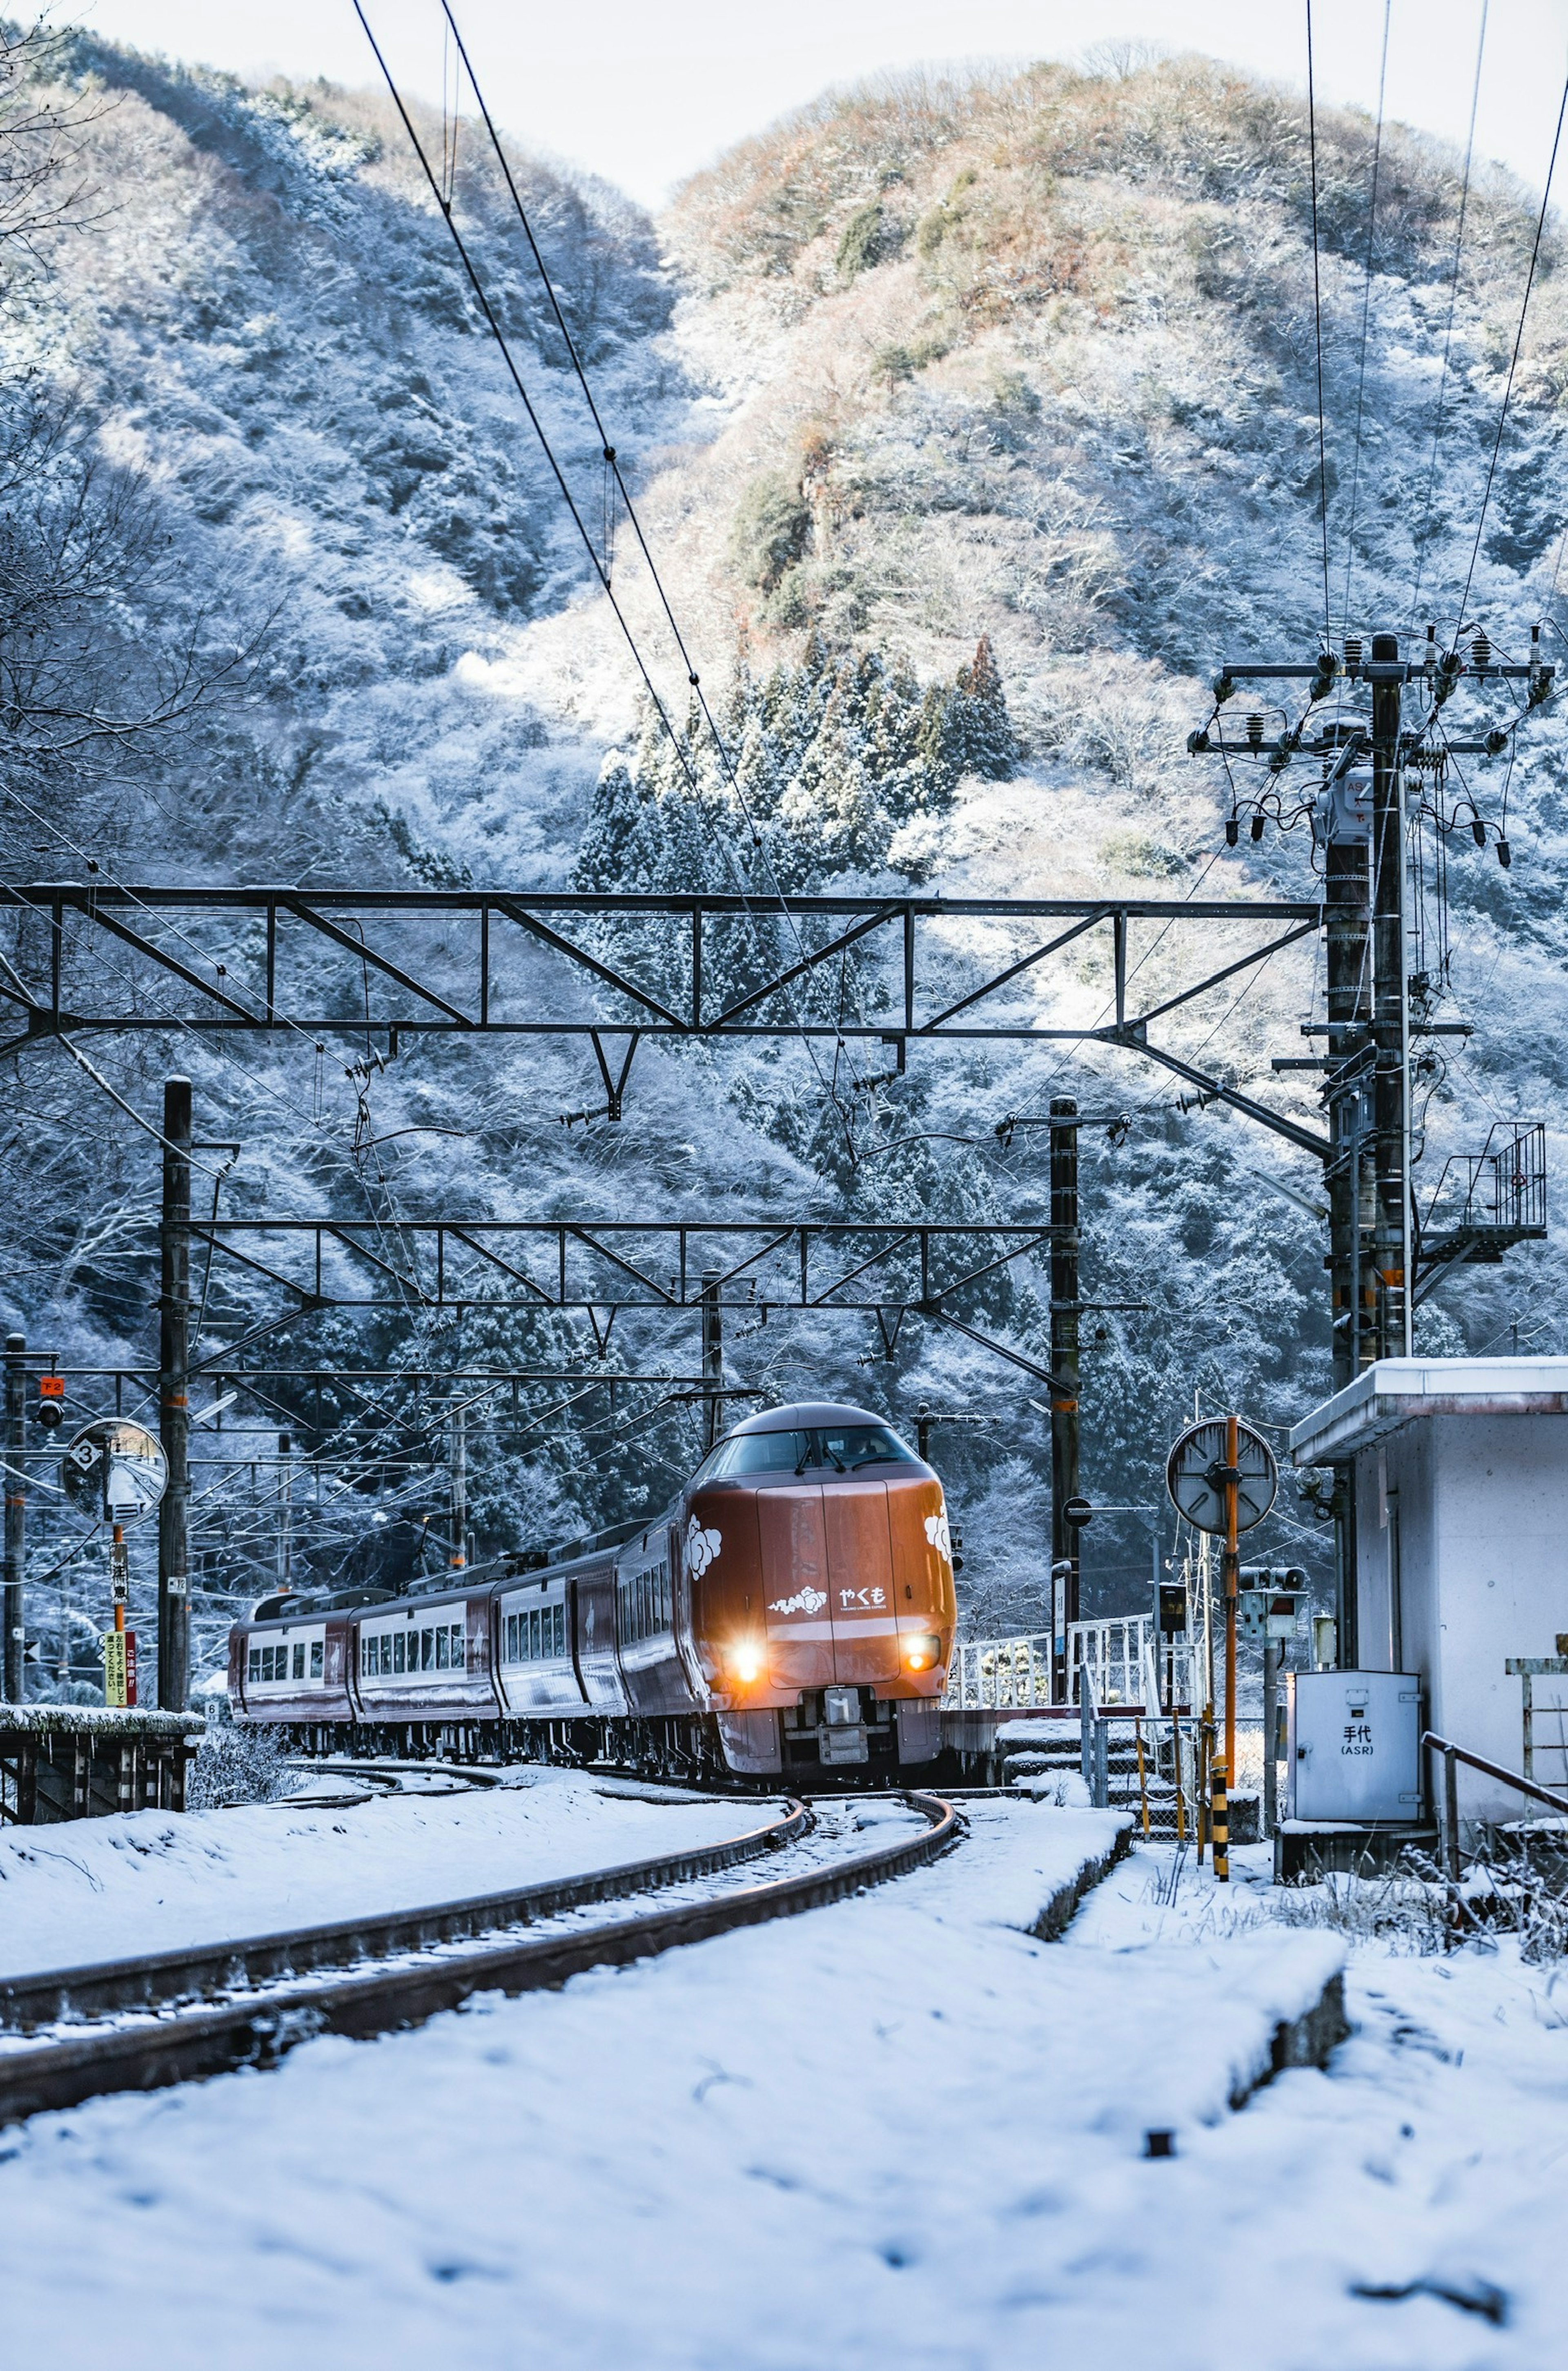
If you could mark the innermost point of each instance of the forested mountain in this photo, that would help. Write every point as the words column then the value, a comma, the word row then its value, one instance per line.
column 971, row 428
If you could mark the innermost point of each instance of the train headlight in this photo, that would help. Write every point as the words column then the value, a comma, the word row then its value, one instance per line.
column 745, row 1662
column 923, row 1653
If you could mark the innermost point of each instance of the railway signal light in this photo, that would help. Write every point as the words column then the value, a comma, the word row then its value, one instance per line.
column 50, row 1409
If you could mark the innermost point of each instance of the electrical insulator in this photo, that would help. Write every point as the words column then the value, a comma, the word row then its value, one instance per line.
column 1196, row 744
column 1496, row 742
column 1481, row 652
column 1505, row 854
column 1353, row 650
column 1257, row 824
column 1478, row 831
column 1232, row 830
column 1431, row 651
column 1255, row 731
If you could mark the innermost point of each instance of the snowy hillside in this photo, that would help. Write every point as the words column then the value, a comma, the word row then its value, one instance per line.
column 972, row 428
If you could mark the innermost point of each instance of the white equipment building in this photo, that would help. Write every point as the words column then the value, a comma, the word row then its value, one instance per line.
column 1461, row 1550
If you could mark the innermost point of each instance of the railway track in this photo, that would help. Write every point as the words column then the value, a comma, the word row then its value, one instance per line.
column 174, row 2016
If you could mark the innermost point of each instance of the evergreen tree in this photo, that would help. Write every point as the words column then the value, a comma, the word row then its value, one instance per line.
column 990, row 747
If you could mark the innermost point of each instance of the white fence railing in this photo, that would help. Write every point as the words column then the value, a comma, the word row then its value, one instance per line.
column 998, row 1674
column 1009, row 1674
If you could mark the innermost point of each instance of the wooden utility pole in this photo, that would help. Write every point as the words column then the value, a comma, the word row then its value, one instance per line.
column 1065, row 1316
column 174, row 1412
column 16, row 1516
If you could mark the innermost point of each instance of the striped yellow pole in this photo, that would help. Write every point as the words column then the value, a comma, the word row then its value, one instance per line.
column 1219, row 1821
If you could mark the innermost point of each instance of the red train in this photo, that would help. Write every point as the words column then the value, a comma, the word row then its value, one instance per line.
column 791, row 1612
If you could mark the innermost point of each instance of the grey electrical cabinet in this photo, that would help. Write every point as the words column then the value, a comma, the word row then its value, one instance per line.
column 1353, row 1745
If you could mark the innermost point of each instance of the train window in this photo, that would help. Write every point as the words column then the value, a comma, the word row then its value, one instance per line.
column 318, row 1648
column 399, row 1645
column 850, row 1445
column 756, row 1453
column 511, row 1649
column 559, row 1628
column 443, row 1647
column 459, row 1656
column 253, row 1669
column 299, row 1661
column 370, row 1655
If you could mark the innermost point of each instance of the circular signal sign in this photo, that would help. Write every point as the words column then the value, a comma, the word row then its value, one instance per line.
column 1077, row 1513
column 114, row 1471
column 1194, row 1476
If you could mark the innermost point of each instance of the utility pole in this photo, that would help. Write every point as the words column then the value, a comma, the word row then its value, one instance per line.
column 1063, row 1387
column 1390, row 1010
column 459, row 1488
column 1345, row 827
column 713, row 1358
column 16, row 1515
column 285, row 1514
column 174, row 1412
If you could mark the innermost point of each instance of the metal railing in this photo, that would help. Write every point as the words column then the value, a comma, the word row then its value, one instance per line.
column 1124, row 1657
column 1449, row 1815
column 1000, row 1674
column 1503, row 1186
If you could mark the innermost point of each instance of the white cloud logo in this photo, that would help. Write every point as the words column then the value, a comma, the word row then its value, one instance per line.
column 940, row 1536
column 701, row 1547
column 805, row 1601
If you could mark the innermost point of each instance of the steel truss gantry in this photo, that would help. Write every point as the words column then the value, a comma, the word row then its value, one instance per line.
column 599, row 1268
column 500, row 963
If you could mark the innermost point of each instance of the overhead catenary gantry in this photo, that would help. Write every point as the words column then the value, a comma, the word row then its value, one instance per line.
column 683, row 968
column 889, row 1269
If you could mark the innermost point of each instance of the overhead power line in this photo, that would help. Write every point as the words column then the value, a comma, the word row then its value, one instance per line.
column 596, row 558
column 1366, row 312
column 1513, row 363
column 1317, row 332
column 1449, row 327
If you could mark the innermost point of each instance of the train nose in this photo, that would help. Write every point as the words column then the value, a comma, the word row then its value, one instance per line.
column 827, row 1569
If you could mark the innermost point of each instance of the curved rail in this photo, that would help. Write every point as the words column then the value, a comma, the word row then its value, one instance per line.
column 183, row 2045
column 163, row 1979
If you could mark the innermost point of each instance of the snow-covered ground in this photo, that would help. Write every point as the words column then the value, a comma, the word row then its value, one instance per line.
column 152, row 1882
column 901, row 2130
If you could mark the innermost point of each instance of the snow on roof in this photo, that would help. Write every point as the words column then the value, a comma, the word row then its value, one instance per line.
column 1395, row 1392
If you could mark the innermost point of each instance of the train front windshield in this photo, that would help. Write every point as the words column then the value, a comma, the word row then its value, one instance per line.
column 839, row 1448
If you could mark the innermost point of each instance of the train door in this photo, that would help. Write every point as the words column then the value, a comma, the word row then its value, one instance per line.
column 597, row 1667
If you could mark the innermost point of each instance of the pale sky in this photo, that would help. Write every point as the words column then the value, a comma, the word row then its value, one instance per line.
column 646, row 91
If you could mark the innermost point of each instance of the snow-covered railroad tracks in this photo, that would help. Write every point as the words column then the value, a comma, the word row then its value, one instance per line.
column 179, row 2016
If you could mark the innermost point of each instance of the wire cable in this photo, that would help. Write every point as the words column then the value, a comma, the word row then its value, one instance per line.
column 1366, row 312
column 596, row 559
column 1448, row 329
column 1316, row 329
column 1513, row 363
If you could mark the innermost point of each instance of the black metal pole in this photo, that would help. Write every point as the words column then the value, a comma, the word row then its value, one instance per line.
column 1064, row 1138
column 1390, row 1236
column 1347, row 880
column 16, row 1515
column 713, row 1358
column 174, row 1413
